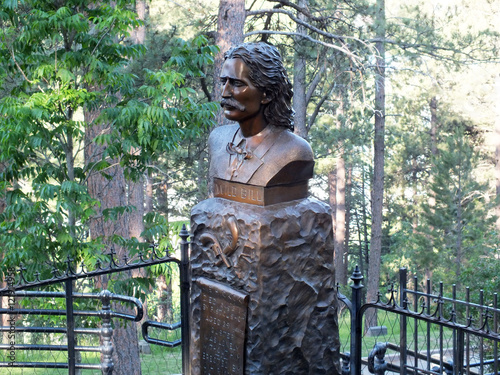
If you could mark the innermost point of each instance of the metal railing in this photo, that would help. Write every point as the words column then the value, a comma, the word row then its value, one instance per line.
column 20, row 283
column 471, row 331
column 465, row 331
column 106, row 314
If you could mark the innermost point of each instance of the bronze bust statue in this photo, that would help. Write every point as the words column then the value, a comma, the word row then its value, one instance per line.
column 261, row 149
column 262, row 251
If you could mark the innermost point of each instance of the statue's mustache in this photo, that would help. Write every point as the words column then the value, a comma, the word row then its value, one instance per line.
column 232, row 103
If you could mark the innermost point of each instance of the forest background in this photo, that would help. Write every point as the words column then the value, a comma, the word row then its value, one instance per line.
column 105, row 109
column 106, row 106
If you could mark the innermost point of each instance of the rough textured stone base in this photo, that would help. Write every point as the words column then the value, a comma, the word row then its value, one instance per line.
column 284, row 261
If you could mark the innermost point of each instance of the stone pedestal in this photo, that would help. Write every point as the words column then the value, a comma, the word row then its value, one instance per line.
column 283, row 260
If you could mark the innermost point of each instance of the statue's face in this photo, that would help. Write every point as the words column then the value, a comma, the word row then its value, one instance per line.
column 241, row 100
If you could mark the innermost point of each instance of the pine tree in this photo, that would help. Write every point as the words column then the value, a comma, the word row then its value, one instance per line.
column 457, row 229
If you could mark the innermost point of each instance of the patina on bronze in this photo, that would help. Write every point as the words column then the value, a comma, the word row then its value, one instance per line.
column 223, row 325
column 261, row 150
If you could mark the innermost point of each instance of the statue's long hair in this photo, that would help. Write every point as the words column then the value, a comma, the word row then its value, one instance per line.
column 268, row 74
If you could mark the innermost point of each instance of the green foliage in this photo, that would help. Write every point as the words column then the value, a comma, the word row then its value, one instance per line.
column 180, row 176
column 157, row 116
column 57, row 62
column 483, row 273
column 453, row 231
column 459, row 223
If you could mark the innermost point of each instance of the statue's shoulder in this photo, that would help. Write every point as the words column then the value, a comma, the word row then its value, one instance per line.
column 290, row 160
column 297, row 147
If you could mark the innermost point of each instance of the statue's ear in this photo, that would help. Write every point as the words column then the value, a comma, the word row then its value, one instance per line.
column 265, row 99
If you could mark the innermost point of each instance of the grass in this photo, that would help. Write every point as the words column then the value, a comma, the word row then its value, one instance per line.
column 392, row 322
column 168, row 360
column 162, row 360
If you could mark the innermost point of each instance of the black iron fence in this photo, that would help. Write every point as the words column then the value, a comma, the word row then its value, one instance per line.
column 420, row 332
column 413, row 332
column 106, row 314
column 75, row 324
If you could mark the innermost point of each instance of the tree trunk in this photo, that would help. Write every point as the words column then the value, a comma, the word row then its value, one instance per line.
column 348, row 190
column 365, row 258
column 138, row 35
column 111, row 193
column 434, row 125
column 165, row 307
column 459, row 232
column 434, row 150
column 378, row 167
column 148, row 202
column 497, row 150
column 339, row 241
column 136, row 217
column 366, row 249
column 339, row 248
column 299, row 78
column 126, row 349
column 230, row 23
column 136, row 188
column 332, row 199
column 161, row 197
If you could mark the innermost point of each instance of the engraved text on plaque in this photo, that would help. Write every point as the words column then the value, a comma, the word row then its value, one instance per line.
column 222, row 328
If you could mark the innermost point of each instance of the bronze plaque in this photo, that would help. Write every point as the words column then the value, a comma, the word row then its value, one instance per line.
column 222, row 328
column 258, row 195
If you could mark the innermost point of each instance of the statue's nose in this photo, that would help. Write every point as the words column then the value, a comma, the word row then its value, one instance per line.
column 226, row 90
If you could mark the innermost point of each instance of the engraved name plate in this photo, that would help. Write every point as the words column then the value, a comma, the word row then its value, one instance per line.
column 258, row 195
column 222, row 328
